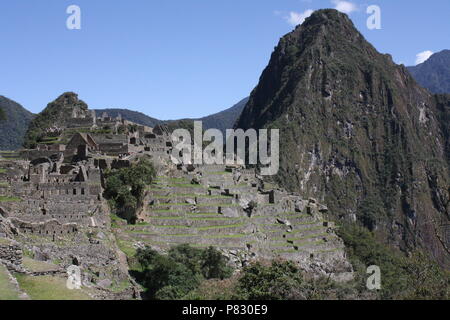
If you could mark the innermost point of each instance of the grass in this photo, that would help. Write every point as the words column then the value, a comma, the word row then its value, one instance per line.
column 127, row 248
column 186, row 185
column 4, row 241
column 37, row 266
column 164, row 211
column 4, row 185
column 230, row 226
column 170, row 204
column 229, row 236
column 179, row 235
column 308, row 237
column 209, row 219
column 171, row 227
column 295, row 244
column 204, row 215
column 218, row 205
column 2, row 170
column 7, row 289
column 167, row 218
column 49, row 288
column 9, row 199
column 218, row 173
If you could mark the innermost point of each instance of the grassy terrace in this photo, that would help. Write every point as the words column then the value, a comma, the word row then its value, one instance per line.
column 203, row 196
column 169, row 204
column 313, row 236
column 214, row 217
column 227, row 226
column 298, row 244
column 217, row 173
column 7, row 289
column 230, row 226
column 225, row 236
column 173, row 180
column 9, row 199
column 38, row 266
column 218, row 205
column 49, row 288
column 2, row 170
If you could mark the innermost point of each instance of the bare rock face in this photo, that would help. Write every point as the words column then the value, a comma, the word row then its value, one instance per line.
column 357, row 133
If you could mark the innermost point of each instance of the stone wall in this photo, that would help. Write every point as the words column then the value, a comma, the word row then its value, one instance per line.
column 10, row 253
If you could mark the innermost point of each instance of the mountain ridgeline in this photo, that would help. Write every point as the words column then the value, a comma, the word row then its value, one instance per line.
column 14, row 121
column 434, row 74
column 222, row 120
column 358, row 133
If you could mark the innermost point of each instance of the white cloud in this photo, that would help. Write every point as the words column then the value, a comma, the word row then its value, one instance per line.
column 423, row 56
column 344, row 6
column 296, row 18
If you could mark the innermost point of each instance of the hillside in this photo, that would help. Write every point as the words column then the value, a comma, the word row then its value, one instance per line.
column 49, row 122
column 434, row 74
column 133, row 116
column 357, row 133
column 14, row 127
column 222, row 120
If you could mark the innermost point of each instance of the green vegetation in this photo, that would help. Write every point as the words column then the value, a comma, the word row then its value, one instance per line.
column 125, row 188
column 37, row 266
column 49, row 288
column 55, row 114
column 416, row 277
column 182, row 270
column 9, row 199
column 13, row 129
column 278, row 281
column 7, row 289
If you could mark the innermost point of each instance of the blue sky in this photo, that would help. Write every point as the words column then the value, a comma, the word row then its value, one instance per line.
column 178, row 58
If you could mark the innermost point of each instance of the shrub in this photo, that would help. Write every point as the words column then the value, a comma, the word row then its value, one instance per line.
column 182, row 270
column 125, row 188
column 281, row 280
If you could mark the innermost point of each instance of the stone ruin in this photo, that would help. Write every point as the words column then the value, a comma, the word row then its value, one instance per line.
column 55, row 193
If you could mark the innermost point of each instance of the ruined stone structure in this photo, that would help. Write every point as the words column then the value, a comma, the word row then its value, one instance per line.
column 52, row 201
column 232, row 209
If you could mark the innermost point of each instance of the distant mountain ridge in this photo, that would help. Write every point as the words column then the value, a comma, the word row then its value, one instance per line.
column 434, row 74
column 130, row 115
column 13, row 128
column 222, row 120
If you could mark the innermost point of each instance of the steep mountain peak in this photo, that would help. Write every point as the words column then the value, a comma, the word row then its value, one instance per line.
column 353, row 125
column 69, row 101
column 55, row 115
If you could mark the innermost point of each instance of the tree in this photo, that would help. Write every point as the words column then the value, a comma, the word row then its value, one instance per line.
column 181, row 271
column 125, row 188
column 214, row 265
column 281, row 280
